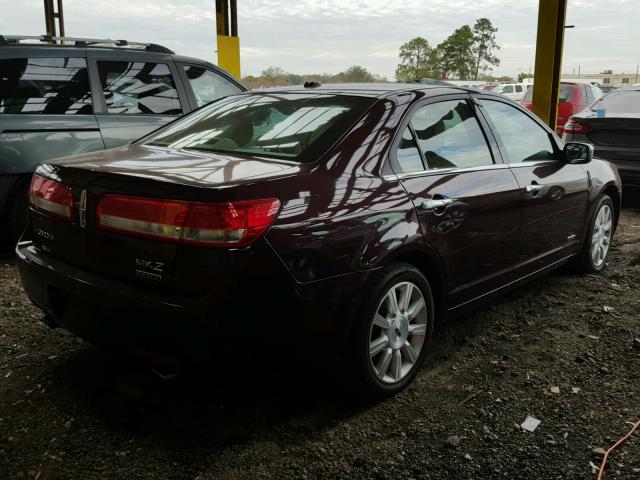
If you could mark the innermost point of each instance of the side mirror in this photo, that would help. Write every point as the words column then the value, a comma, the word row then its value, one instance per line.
column 575, row 152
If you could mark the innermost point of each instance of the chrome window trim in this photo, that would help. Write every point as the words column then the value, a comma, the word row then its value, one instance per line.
column 444, row 171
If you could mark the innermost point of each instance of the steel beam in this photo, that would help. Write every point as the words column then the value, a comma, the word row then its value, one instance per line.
column 551, row 25
column 227, row 38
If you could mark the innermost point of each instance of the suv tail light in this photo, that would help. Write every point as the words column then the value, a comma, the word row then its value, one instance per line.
column 51, row 197
column 225, row 224
column 577, row 127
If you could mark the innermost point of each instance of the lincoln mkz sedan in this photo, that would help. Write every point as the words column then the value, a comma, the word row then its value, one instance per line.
column 362, row 215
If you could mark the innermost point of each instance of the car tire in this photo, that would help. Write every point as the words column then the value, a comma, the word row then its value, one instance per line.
column 593, row 255
column 388, row 346
column 18, row 211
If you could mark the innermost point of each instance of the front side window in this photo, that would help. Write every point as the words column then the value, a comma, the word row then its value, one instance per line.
column 589, row 98
column 55, row 86
column 138, row 88
column 507, row 89
column 450, row 137
column 292, row 126
column 207, row 85
column 523, row 139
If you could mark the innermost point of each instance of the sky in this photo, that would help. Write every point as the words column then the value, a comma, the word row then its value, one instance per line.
column 328, row 36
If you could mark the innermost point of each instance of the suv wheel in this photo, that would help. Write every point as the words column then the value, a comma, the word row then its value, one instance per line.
column 393, row 330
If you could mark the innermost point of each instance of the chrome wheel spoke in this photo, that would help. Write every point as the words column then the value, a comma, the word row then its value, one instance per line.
column 418, row 329
column 415, row 308
column 392, row 302
column 409, row 353
column 380, row 321
column 378, row 345
column 396, row 365
column 383, row 363
column 405, row 298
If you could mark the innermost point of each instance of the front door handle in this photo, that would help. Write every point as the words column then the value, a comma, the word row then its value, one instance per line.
column 440, row 203
column 533, row 188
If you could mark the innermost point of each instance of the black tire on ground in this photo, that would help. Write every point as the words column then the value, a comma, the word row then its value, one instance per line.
column 18, row 211
column 584, row 261
column 362, row 375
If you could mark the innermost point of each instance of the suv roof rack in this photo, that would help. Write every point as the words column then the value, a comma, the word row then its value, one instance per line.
column 81, row 42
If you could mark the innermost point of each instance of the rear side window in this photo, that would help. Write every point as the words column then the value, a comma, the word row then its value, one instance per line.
column 626, row 101
column 523, row 139
column 408, row 155
column 139, row 88
column 519, row 88
column 207, row 85
column 55, row 86
column 449, row 136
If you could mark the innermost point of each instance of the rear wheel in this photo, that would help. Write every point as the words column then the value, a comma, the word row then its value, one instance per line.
column 393, row 330
column 594, row 253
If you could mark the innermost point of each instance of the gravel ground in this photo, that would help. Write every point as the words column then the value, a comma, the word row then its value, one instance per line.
column 560, row 349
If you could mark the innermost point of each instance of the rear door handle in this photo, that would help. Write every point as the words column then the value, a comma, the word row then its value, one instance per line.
column 533, row 188
column 431, row 205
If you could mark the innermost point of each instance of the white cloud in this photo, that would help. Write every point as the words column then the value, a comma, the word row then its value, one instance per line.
column 305, row 36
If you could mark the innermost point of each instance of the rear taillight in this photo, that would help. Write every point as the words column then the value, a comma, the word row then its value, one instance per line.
column 51, row 197
column 576, row 127
column 224, row 224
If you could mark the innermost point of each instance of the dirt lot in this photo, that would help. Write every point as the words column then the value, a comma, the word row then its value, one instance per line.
column 68, row 410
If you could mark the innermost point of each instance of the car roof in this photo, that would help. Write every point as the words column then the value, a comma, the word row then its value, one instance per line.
column 375, row 90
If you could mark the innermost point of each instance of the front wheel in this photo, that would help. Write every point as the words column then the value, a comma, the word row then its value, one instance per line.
column 393, row 330
column 593, row 256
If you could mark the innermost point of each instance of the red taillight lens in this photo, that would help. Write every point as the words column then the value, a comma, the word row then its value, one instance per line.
column 225, row 224
column 576, row 127
column 51, row 197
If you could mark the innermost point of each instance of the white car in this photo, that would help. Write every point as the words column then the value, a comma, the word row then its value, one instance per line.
column 514, row 91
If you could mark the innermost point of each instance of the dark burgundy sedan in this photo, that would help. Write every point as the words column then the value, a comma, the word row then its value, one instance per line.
column 358, row 216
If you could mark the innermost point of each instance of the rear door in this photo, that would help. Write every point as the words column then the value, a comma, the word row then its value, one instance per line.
column 466, row 200
column 137, row 93
column 553, row 193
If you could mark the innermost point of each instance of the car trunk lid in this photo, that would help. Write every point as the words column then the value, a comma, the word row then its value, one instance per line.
column 148, row 174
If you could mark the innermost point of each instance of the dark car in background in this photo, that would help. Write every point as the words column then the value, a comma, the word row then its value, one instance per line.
column 572, row 98
column 86, row 95
column 612, row 126
column 351, row 217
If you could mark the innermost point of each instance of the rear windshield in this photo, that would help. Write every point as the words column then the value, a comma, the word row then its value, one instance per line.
column 565, row 93
column 294, row 126
column 621, row 102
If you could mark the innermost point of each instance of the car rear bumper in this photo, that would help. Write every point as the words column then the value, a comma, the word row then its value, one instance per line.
column 126, row 317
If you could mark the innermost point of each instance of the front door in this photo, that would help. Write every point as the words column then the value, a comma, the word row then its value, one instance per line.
column 466, row 202
column 553, row 193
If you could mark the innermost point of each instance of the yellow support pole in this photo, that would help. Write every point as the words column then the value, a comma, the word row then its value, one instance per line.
column 228, row 41
column 551, row 24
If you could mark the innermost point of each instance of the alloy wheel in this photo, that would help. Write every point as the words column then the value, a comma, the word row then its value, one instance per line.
column 397, row 333
column 601, row 235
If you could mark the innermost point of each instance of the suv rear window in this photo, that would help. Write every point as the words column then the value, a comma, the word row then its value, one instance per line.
column 282, row 125
column 139, row 88
column 57, row 85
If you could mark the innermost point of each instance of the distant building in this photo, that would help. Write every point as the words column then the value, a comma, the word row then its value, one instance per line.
column 606, row 77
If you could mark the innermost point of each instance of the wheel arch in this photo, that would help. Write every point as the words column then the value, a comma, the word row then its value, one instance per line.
column 612, row 191
column 431, row 266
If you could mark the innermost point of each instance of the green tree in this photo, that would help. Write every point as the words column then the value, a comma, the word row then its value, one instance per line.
column 484, row 36
column 456, row 54
column 356, row 74
column 522, row 76
column 414, row 60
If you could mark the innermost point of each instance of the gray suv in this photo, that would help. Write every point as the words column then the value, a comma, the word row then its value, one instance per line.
column 84, row 95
